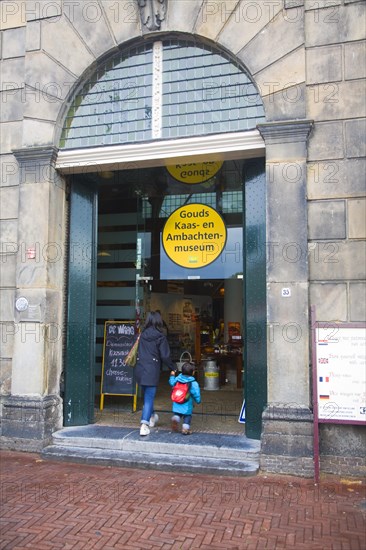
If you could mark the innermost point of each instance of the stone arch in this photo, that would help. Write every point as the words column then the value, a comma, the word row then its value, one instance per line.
column 270, row 44
column 279, row 73
column 85, row 40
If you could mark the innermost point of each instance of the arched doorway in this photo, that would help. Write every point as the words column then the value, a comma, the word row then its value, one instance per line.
column 180, row 96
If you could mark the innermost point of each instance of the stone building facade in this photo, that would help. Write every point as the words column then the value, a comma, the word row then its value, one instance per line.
column 307, row 60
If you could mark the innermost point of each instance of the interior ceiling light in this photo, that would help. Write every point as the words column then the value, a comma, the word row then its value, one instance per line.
column 107, row 175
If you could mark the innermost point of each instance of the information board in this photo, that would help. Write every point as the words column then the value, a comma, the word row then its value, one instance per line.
column 339, row 376
column 194, row 235
column 341, row 373
column 117, row 377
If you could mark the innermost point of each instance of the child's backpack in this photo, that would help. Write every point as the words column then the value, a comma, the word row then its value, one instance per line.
column 180, row 392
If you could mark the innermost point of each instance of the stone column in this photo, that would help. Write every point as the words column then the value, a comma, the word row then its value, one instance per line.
column 287, row 434
column 33, row 411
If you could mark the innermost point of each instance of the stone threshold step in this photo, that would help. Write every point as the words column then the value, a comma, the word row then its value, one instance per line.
column 159, row 441
column 151, row 461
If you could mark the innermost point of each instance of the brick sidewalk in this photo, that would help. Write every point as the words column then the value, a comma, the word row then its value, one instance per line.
column 51, row 505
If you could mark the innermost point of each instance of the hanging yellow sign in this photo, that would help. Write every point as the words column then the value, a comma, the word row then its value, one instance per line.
column 195, row 172
column 194, row 235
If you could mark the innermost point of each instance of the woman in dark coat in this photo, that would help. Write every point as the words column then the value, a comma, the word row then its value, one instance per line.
column 153, row 350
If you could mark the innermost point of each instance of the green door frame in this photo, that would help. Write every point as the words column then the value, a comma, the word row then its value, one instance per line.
column 255, row 311
column 81, row 316
column 80, row 344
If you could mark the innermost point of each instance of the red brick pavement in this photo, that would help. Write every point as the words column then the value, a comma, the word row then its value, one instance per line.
column 59, row 505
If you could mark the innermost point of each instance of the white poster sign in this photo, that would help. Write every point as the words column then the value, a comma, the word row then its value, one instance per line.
column 341, row 373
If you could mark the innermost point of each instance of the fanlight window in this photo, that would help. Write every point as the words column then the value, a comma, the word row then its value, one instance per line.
column 163, row 89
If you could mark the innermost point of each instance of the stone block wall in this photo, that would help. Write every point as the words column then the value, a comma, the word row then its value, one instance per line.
column 13, row 32
column 335, row 61
column 32, row 216
column 335, row 58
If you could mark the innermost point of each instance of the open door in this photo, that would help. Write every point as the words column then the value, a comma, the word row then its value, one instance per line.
column 80, row 344
column 255, row 337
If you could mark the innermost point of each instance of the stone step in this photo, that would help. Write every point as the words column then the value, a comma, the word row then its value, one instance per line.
column 152, row 460
column 209, row 453
column 205, row 445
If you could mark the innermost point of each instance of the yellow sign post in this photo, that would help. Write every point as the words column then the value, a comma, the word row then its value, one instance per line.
column 195, row 172
column 194, row 235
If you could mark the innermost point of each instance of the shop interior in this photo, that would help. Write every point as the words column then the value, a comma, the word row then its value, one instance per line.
column 202, row 308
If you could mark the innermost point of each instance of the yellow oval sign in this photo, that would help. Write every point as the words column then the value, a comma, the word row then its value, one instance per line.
column 196, row 172
column 194, row 235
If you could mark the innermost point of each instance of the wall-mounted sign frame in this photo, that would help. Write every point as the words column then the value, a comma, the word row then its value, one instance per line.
column 117, row 377
column 339, row 376
column 195, row 172
column 194, row 235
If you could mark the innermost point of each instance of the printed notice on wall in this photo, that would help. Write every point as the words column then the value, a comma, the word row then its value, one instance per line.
column 341, row 373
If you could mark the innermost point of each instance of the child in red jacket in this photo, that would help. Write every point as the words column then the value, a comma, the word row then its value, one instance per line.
column 184, row 410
